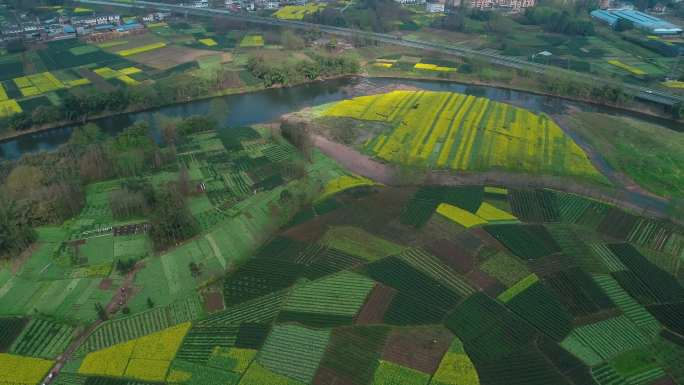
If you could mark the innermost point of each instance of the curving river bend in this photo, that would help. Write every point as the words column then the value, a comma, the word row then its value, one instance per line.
column 268, row 105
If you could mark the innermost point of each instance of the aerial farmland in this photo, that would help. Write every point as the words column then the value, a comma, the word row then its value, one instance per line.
column 191, row 200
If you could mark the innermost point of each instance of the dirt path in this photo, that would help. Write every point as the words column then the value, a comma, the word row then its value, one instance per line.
column 620, row 196
column 112, row 307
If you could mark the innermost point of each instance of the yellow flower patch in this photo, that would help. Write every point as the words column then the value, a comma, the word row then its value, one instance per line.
column 345, row 182
column 460, row 216
column 673, row 84
column 627, row 67
column 77, row 82
column 111, row 361
column 446, row 130
column 146, row 358
column 456, row 369
column 147, row 370
column 382, row 65
column 493, row 214
column 9, row 107
column 128, row 80
column 19, row 370
column 495, row 190
column 297, row 12
column 130, row 70
column 208, row 42
column 3, row 94
column 141, row 49
column 433, row 67
column 250, row 41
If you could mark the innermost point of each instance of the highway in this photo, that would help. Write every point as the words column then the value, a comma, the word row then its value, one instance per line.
column 643, row 93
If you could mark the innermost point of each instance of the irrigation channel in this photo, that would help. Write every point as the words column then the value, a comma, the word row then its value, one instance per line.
column 268, row 105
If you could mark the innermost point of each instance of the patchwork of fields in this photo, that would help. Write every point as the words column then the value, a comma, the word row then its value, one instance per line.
column 494, row 286
column 454, row 131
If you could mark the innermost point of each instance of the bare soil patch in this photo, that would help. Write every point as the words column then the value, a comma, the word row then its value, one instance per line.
column 213, row 302
column 170, row 56
column 418, row 348
column 376, row 305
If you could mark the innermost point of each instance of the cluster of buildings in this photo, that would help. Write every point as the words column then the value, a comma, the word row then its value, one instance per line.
column 62, row 27
column 640, row 20
column 434, row 6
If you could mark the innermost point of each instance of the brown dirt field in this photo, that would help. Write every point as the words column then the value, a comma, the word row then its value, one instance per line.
column 487, row 239
column 418, row 348
column 485, row 282
column 452, row 255
column 169, row 56
column 213, row 302
column 327, row 376
column 376, row 305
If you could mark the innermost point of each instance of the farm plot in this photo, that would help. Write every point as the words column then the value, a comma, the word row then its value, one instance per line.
column 10, row 328
column 670, row 315
column 578, row 292
column 389, row 373
column 539, row 306
column 352, row 355
column 146, row 358
column 420, row 298
column 294, row 351
column 505, row 268
column 524, row 367
column 428, row 264
column 631, row 308
column 662, row 285
column 42, row 338
column 258, row 375
column 359, row 243
column 119, row 330
column 425, row 201
column 188, row 373
column 489, row 331
column 261, row 309
column 604, row 340
column 455, row 131
column 456, row 367
column 339, row 296
column 18, row 370
column 297, row 12
column 417, row 348
column 201, row 341
column 59, row 55
column 252, row 41
column 537, row 206
column 529, row 242
column 258, row 277
column 327, row 261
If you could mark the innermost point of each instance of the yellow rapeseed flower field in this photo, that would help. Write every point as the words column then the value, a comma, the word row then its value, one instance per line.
column 460, row 216
column 141, row 49
column 454, row 131
column 19, row 370
column 344, row 182
column 493, row 214
column 146, row 358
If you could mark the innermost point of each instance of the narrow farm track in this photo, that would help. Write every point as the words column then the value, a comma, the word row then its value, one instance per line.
column 111, row 308
column 620, row 196
column 644, row 93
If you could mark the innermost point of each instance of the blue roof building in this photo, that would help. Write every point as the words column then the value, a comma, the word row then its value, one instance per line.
column 640, row 20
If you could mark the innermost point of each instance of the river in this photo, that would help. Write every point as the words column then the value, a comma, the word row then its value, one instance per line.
column 268, row 105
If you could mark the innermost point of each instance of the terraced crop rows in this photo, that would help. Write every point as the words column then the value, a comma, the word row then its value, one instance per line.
column 42, row 338
column 455, row 131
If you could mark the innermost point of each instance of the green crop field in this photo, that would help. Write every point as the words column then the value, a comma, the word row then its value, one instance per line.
column 300, row 272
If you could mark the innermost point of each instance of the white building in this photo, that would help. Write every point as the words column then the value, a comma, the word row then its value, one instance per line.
column 410, row 1
column 434, row 7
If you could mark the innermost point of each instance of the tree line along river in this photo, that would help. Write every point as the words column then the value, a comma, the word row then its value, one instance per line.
column 267, row 105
